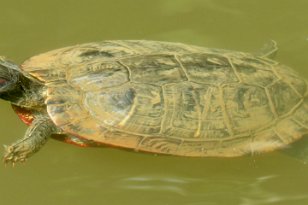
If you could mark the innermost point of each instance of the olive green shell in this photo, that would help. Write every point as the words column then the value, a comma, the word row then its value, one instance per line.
column 172, row 98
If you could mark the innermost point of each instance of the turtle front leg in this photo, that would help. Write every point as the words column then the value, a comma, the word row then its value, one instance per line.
column 36, row 136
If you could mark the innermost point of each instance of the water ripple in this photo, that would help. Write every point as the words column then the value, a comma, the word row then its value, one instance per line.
column 246, row 191
column 155, row 183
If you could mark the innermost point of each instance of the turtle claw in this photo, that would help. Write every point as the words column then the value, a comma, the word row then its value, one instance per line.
column 14, row 154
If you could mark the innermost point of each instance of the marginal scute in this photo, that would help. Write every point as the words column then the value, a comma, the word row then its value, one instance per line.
column 289, row 130
column 265, row 141
column 116, row 138
column 166, row 145
column 293, row 79
column 147, row 47
column 172, row 98
column 54, row 76
column 106, row 50
column 197, row 148
column 240, row 145
column 86, row 127
column 300, row 115
column 249, row 62
column 294, row 126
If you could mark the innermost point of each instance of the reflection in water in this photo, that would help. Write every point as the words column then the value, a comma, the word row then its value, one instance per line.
column 155, row 183
column 256, row 193
column 247, row 191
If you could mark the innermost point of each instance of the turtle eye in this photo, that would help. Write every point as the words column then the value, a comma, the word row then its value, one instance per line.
column 3, row 82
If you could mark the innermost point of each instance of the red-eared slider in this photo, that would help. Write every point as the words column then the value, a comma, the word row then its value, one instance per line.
column 157, row 97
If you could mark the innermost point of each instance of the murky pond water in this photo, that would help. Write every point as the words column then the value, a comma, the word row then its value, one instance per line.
column 64, row 174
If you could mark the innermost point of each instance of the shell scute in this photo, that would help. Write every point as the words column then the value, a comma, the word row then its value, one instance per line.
column 97, row 76
column 284, row 98
column 154, row 69
column 255, row 76
column 208, row 68
column 248, row 108
column 133, row 108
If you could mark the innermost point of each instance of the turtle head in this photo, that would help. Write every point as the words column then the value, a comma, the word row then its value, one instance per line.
column 9, row 78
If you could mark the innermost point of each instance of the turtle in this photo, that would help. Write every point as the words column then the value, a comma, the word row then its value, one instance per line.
column 156, row 97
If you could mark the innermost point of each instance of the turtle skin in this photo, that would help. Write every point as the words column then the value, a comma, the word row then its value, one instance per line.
column 172, row 98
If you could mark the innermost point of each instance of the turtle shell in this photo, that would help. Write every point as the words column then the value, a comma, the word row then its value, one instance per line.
column 172, row 98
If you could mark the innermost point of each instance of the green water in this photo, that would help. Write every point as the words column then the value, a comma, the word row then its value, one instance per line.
column 63, row 174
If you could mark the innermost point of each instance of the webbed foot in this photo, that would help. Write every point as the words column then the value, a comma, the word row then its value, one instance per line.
column 36, row 136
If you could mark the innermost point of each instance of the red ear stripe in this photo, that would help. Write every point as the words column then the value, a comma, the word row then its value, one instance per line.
column 24, row 114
